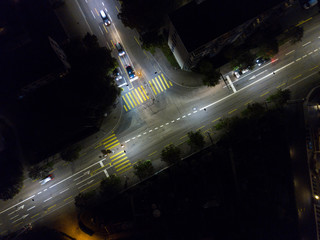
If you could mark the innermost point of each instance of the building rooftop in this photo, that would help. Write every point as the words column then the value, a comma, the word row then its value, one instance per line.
column 198, row 24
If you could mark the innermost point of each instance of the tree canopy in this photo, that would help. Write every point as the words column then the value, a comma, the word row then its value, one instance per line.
column 196, row 140
column 71, row 153
column 143, row 169
column 280, row 98
column 110, row 186
column 171, row 154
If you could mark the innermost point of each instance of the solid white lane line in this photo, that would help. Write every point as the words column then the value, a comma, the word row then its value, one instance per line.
column 254, row 76
column 16, row 204
column 47, row 199
column 101, row 30
column 31, row 208
column 14, row 216
column 73, row 175
column 64, row 191
column 86, row 184
column 93, row 14
column 306, row 44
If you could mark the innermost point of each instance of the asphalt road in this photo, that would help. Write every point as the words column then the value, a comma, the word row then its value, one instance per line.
column 150, row 125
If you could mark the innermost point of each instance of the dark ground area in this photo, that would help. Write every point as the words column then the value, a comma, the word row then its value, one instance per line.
column 240, row 188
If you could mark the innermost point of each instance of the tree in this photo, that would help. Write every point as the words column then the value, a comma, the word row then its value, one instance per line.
column 295, row 33
column 143, row 169
column 196, row 140
column 83, row 201
column 36, row 172
column 254, row 110
column 43, row 233
column 280, row 98
column 211, row 75
column 71, row 153
column 171, row 154
column 110, row 186
column 268, row 48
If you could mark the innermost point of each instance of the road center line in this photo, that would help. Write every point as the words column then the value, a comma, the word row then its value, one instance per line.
column 306, row 44
column 289, row 52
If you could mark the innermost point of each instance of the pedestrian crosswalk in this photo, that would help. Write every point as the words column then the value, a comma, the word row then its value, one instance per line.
column 120, row 162
column 159, row 84
column 117, row 154
column 135, row 98
column 139, row 95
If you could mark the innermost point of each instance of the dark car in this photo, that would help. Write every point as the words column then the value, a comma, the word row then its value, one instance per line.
column 105, row 18
column 260, row 61
column 130, row 72
column 120, row 49
column 119, row 79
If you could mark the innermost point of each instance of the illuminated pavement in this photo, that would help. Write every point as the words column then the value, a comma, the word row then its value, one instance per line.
column 149, row 126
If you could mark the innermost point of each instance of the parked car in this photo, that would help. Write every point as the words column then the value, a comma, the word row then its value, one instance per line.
column 120, row 49
column 121, row 81
column 237, row 73
column 130, row 72
column 117, row 74
column 260, row 61
column 105, row 18
column 47, row 179
column 310, row 3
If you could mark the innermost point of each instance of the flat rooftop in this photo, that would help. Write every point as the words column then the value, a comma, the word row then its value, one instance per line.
column 198, row 24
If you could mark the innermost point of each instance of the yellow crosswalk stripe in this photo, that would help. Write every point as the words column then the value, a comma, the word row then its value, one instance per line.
column 118, row 157
column 122, row 159
column 165, row 80
column 132, row 99
column 125, row 108
column 110, row 144
column 138, row 95
column 127, row 169
column 159, row 84
column 113, row 146
column 129, row 100
column 116, row 154
column 141, row 93
column 153, row 88
column 112, row 139
column 108, row 138
column 124, row 167
column 145, row 92
column 135, row 97
column 119, row 165
column 126, row 102
column 164, row 86
column 170, row 83
column 156, row 86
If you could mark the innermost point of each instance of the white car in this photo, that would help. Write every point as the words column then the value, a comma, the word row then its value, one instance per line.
column 47, row 179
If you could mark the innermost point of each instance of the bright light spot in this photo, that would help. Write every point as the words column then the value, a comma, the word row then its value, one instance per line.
column 316, row 197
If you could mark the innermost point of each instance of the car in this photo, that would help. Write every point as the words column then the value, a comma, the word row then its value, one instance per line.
column 121, row 81
column 47, row 179
column 310, row 4
column 105, row 18
column 120, row 49
column 260, row 61
column 237, row 74
column 117, row 74
column 130, row 72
